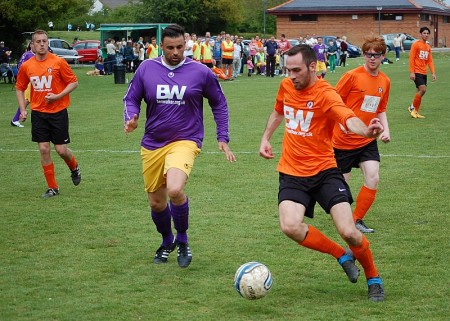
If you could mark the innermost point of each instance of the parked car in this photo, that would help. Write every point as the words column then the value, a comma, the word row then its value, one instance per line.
column 88, row 49
column 407, row 42
column 352, row 50
column 294, row 42
column 62, row 49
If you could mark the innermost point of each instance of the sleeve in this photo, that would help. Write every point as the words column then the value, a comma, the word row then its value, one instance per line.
column 279, row 100
column 431, row 63
column 336, row 108
column 22, row 79
column 412, row 57
column 67, row 73
column 133, row 97
column 344, row 86
column 219, row 106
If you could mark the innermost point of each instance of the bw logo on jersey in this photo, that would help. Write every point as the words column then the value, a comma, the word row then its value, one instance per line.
column 166, row 94
column 423, row 54
column 41, row 83
column 297, row 120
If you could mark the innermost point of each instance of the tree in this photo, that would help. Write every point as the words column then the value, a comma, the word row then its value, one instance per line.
column 195, row 15
column 19, row 16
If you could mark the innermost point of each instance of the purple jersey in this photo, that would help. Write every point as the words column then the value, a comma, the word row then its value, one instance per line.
column 174, row 97
column 320, row 51
column 25, row 56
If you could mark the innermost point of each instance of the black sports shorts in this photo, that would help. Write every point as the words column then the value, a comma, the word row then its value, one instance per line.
column 227, row 61
column 420, row 80
column 50, row 127
column 209, row 64
column 328, row 188
column 348, row 159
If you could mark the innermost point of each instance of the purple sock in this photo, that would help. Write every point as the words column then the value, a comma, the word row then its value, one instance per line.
column 17, row 115
column 164, row 225
column 180, row 215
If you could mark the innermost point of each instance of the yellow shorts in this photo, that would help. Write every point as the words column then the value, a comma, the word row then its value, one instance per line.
column 156, row 163
column 27, row 92
column 321, row 66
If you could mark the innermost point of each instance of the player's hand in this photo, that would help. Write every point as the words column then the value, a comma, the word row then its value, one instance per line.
column 375, row 128
column 385, row 137
column 51, row 97
column 228, row 153
column 265, row 150
column 131, row 125
column 23, row 116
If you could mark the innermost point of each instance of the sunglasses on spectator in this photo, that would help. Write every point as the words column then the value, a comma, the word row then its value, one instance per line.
column 374, row 55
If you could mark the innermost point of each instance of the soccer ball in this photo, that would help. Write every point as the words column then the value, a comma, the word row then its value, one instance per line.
column 253, row 280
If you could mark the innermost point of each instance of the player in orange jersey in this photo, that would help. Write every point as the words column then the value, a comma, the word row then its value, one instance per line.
column 419, row 58
column 309, row 107
column 52, row 80
column 365, row 90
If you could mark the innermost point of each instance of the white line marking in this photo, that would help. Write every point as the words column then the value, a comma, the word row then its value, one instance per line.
column 4, row 150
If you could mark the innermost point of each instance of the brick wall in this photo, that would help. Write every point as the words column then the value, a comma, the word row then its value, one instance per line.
column 356, row 29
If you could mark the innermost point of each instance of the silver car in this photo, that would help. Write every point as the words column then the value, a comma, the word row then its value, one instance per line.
column 62, row 49
column 407, row 42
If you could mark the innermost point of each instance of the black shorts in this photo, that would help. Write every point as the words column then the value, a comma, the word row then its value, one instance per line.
column 348, row 159
column 328, row 188
column 208, row 64
column 227, row 61
column 420, row 80
column 47, row 127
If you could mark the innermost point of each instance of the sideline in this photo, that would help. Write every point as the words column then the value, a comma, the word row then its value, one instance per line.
column 4, row 150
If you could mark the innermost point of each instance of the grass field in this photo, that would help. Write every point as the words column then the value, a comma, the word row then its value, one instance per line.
column 87, row 254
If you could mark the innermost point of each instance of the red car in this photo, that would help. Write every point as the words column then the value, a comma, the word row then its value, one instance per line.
column 88, row 49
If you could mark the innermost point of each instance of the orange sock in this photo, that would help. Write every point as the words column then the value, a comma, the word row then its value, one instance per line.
column 219, row 73
column 364, row 201
column 364, row 255
column 49, row 173
column 317, row 241
column 416, row 102
column 72, row 163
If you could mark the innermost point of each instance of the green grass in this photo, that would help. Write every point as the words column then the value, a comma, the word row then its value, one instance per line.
column 70, row 35
column 87, row 254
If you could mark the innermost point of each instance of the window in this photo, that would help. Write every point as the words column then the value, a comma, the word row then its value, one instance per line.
column 425, row 17
column 446, row 19
column 389, row 16
column 303, row 17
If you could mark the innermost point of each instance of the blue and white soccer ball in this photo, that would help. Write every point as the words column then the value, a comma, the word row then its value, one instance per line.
column 253, row 280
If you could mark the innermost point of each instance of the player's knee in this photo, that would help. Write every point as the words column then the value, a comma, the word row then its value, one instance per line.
column 176, row 193
column 44, row 149
column 372, row 181
column 294, row 230
column 351, row 235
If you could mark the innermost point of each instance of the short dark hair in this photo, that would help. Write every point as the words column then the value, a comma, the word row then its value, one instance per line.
column 423, row 29
column 173, row 31
column 308, row 53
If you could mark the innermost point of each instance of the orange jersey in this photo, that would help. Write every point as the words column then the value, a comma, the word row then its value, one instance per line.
column 310, row 115
column 367, row 96
column 420, row 57
column 51, row 75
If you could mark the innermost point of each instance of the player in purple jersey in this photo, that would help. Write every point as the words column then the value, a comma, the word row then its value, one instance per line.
column 320, row 49
column 173, row 87
column 25, row 56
